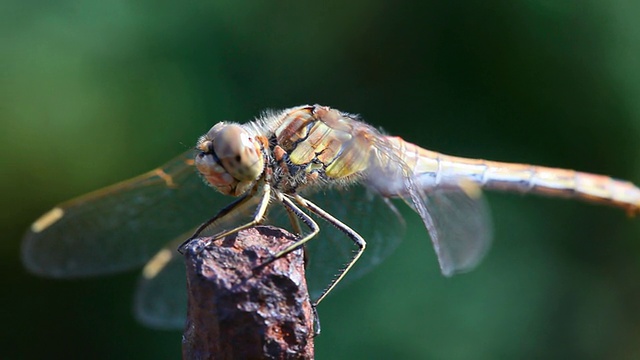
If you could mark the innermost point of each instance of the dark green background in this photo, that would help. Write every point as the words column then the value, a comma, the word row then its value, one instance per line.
column 98, row 91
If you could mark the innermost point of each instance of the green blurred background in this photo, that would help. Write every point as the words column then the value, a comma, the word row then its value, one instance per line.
column 94, row 92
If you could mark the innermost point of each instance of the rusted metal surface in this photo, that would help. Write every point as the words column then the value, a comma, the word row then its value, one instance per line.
column 240, row 308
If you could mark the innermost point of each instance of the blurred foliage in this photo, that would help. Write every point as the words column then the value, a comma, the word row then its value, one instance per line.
column 97, row 91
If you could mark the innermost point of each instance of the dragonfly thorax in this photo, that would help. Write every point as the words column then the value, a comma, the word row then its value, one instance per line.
column 230, row 159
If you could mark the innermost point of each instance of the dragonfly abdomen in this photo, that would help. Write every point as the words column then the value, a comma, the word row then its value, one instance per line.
column 562, row 183
column 523, row 178
column 435, row 170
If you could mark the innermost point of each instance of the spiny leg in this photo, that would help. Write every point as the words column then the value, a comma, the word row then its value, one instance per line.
column 354, row 236
column 222, row 213
column 295, row 224
column 258, row 215
column 230, row 209
column 306, row 219
column 293, row 219
column 295, row 213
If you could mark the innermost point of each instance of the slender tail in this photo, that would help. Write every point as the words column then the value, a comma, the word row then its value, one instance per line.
column 438, row 170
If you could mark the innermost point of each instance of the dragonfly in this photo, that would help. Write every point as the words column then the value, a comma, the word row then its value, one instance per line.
column 301, row 164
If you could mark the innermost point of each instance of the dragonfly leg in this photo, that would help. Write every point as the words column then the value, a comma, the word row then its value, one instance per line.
column 293, row 218
column 354, row 236
column 294, row 210
column 257, row 217
column 316, row 321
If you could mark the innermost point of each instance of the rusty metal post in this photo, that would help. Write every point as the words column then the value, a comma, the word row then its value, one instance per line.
column 238, row 309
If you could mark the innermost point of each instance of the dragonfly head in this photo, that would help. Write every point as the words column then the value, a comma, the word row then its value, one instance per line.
column 230, row 159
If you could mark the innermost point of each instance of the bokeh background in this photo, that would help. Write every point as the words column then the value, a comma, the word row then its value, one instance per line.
column 93, row 92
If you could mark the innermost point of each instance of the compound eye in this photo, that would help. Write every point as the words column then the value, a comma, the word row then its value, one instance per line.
column 237, row 152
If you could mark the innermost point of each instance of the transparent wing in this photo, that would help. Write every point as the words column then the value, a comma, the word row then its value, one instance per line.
column 459, row 224
column 121, row 226
column 161, row 296
column 374, row 217
column 452, row 208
